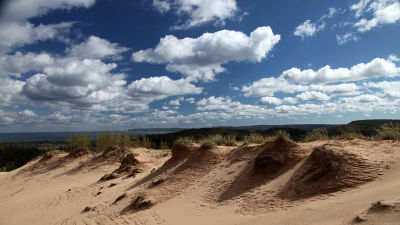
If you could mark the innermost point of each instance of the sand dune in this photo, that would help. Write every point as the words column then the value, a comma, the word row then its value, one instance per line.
column 322, row 182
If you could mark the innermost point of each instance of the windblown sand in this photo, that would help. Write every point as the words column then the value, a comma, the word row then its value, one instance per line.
column 322, row 182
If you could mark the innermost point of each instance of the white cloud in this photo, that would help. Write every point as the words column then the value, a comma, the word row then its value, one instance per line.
column 10, row 92
column 190, row 100
column 313, row 96
column 176, row 102
column 234, row 109
column 382, row 12
column 390, row 89
column 378, row 67
column 83, row 83
column 13, row 34
column 363, row 98
column 198, row 12
column 270, row 101
column 20, row 10
column 394, row 58
column 201, row 58
column 162, row 6
column 308, row 29
column 344, row 89
column 20, row 63
column 270, row 86
column 344, row 38
column 96, row 48
column 156, row 88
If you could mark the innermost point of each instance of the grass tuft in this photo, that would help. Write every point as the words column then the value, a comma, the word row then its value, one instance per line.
column 316, row 134
column 388, row 131
column 256, row 138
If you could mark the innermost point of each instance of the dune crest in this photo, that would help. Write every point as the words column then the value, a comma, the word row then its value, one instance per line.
column 279, row 181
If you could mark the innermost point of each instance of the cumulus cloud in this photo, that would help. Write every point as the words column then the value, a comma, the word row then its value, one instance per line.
column 20, row 10
column 234, row 109
column 162, row 6
column 270, row 86
column 270, row 101
column 198, row 12
column 79, row 82
column 308, row 29
column 378, row 67
column 390, row 89
column 156, row 88
column 378, row 11
column 313, row 96
column 13, row 34
column 10, row 92
column 96, row 48
column 20, row 63
column 201, row 58
column 344, row 38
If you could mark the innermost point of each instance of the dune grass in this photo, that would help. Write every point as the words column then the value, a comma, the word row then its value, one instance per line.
column 316, row 134
column 256, row 138
column 388, row 131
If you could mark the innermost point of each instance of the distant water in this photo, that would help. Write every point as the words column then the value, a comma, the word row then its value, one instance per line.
column 59, row 136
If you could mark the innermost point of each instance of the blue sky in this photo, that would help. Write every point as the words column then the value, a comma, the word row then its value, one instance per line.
column 80, row 65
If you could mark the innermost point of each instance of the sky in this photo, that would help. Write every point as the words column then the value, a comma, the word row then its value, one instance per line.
column 86, row 65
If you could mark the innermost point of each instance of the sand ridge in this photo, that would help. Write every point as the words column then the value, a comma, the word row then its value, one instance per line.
column 278, row 182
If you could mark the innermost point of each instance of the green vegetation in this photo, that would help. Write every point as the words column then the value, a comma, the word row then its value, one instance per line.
column 80, row 141
column 389, row 131
column 282, row 135
column 317, row 134
column 108, row 139
column 14, row 155
column 184, row 141
column 255, row 138
column 214, row 140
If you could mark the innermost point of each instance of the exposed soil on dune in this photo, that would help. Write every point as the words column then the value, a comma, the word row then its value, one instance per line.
column 380, row 212
column 129, row 165
column 328, row 169
column 322, row 182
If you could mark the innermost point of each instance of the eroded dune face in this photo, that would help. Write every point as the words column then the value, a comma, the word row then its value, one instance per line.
column 330, row 168
column 280, row 182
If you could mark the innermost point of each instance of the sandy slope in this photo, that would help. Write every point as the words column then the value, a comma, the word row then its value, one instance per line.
column 323, row 182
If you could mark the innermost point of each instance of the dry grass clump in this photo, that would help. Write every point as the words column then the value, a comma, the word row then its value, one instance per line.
column 184, row 141
column 349, row 133
column 282, row 136
column 109, row 139
column 388, row 131
column 217, row 140
column 256, row 138
column 80, row 141
column 316, row 134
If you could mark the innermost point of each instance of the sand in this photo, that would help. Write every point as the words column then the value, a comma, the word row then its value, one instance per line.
column 322, row 182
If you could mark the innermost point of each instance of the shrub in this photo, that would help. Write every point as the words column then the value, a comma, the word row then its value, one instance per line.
column 163, row 145
column 255, row 138
column 108, row 139
column 80, row 141
column 184, row 141
column 388, row 131
column 125, row 141
column 215, row 140
column 316, row 134
column 349, row 133
column 282, row 136
column 146, row 142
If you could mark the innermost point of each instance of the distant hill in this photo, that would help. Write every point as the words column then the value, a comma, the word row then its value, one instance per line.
column 140, row 130
column 365, row 127
column 266, row 127
column 296, row 131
